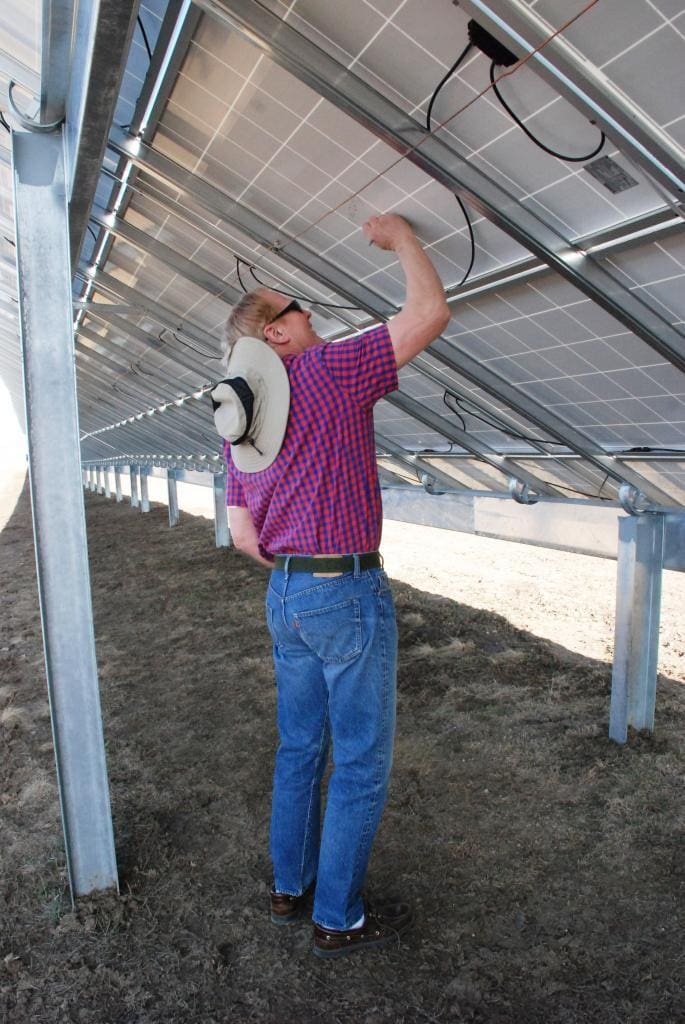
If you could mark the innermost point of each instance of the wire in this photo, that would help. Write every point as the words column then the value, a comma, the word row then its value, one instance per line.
column 205, row 355
column 455, row 411
column 144, row 35
column 238, row 261
column 519, row 122
column 4, row 123
column 444, row 80
column 465, row 106
column 304, row 298
column 574, row 490
column 433, row 98
column 92, row 232
column 473, row 243
column 491, row 423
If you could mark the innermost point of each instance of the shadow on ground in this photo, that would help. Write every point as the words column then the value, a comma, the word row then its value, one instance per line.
column 545, row 862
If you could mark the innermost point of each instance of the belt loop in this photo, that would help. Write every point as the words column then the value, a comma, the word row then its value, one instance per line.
column 357, row 572
column 286, row 572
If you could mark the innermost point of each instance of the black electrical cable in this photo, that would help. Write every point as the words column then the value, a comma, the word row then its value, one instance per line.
column 443, row 81
column 574, row 490
column 472, row 240
column 455, row 411
column 4, row 123
column 92, row 232
column 144, row 35
column 303, row 298
column 186, row 344
column 491, row 423
column 519, row 122
column 238, row 261
column 433, row 98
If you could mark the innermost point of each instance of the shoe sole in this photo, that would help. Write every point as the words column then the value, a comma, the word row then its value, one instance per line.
column 359, row 946
column 281, row 921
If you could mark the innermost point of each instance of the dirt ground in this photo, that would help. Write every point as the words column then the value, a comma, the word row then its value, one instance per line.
column 546, row 863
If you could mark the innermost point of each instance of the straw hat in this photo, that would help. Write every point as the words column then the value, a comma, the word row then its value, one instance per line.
column 251, row 404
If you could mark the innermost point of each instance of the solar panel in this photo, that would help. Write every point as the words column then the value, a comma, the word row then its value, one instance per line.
column 534, row 364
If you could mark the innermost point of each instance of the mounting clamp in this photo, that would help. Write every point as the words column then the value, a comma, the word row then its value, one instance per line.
column 521, row 492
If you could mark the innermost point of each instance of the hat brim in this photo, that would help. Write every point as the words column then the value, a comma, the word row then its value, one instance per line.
column 252, row 358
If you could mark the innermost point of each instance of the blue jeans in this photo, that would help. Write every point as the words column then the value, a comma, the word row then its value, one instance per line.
column 335, row 658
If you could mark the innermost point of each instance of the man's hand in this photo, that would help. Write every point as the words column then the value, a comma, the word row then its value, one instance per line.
column 244, row 534
column 388, row 231
column 425, row 312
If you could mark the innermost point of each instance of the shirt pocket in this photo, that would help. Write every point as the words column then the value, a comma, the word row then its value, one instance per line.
column 334, row 633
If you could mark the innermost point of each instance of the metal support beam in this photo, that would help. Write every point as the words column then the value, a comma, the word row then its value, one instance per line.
column 144, row 496
column 172, row 489
column 328, row 78
column 117, row 484
column 522, row 30
column 188, row 269
column 58, row 515
column 105, row 313
column 108, row 493
column 415, row 463
column 453, row 433
column 102, row 38
column 133, row 475
column 169, row 320
column 100, row 486
column 638, row 603
column 261, row 231
column 222, row 536
column 57, row 23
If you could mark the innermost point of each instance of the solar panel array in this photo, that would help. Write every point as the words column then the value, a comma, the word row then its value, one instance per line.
column 251, row 175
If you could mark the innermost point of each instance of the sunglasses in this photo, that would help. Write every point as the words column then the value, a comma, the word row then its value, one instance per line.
column 292, row 307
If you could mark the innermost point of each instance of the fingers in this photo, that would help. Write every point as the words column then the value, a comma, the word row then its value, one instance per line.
column 386, row 229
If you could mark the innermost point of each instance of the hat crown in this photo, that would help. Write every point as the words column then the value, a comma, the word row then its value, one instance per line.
column 251, row 406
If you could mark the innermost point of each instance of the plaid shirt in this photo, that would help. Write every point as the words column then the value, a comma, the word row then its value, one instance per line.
column 321, row 494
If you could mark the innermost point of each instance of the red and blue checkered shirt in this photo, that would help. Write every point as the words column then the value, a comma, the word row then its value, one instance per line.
column 321, row 494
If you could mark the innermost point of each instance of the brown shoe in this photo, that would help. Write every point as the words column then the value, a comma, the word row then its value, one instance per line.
column 383, row 924
column 287, row 909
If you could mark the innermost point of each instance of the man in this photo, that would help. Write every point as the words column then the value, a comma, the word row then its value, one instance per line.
column 311, row 511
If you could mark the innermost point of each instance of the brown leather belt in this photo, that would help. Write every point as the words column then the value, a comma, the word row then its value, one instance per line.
column 331, row 563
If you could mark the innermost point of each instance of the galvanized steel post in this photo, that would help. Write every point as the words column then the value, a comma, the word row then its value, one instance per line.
column 174, row 514
column 108, row 493
column 221, row 534
column 638, row 604
column 117, row 483
column 144, row 496
column 133, row 473
column 42, row 246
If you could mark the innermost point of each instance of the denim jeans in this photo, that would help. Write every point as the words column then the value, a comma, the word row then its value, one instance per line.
column 335, row 658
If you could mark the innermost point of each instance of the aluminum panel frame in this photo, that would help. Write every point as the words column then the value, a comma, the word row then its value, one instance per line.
column 333, row 81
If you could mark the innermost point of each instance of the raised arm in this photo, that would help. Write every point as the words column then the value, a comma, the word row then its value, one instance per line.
column 425, row 312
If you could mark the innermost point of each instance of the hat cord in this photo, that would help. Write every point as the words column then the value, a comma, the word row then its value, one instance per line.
column 246, row 396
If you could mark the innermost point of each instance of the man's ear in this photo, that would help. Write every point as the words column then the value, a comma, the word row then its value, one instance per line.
column 275, row 336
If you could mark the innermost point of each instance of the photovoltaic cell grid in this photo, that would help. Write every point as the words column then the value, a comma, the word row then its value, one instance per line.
column 637, row 46
column 578, row 360
column 243, row 124
column 380, row 45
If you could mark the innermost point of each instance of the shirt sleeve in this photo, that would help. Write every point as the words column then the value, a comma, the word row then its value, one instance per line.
column 235, row 493
column 363, row 366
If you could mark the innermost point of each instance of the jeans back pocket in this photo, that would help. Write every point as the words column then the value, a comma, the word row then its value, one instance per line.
column 334, row 633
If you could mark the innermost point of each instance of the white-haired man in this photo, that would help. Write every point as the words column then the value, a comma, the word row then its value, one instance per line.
column 310, row 509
